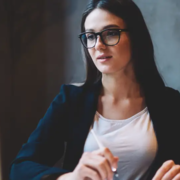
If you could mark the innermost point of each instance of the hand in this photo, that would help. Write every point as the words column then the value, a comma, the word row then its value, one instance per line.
column 96, row 165
column 168, row 171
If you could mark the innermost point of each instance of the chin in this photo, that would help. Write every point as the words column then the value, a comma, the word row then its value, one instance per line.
column 106, row 71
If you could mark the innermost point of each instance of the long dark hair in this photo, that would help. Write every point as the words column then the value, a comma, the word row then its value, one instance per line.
column 142, row 48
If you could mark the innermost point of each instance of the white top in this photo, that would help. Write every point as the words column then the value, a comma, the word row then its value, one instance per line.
column 133, row 140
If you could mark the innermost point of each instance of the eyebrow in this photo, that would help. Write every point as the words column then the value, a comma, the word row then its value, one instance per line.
column 105, row 27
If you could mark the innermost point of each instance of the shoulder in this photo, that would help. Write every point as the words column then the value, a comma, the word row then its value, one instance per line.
column 81, row 93
column 171, row 101
column 60, row 106
column 172, row 94
column 75, row 91
column 170, row 90
column 164, row 101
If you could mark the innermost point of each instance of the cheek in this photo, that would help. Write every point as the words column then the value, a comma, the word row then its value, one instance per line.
column 123, row 48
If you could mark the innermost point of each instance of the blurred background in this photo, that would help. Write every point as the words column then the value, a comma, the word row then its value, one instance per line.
column 40, row 50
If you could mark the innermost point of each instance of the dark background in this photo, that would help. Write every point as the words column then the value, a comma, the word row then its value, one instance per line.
column 39, row 51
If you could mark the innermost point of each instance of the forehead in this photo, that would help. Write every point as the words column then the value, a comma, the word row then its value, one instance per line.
column 100, row 18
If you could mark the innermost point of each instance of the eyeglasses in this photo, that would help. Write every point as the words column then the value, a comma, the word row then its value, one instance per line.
column 109, row 37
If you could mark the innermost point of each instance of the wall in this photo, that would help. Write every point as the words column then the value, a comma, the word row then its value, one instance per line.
column 32, row 68
column 163, row 20
column 5, row 84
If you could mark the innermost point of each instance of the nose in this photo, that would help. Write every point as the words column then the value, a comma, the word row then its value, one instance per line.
column 99, row 44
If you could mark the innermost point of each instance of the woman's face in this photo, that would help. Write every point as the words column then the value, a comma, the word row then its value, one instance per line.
column 120, row 54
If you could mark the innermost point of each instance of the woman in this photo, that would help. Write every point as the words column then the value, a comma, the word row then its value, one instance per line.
column 124, row 100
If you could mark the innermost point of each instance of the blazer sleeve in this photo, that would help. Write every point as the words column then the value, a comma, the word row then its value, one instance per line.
column 173, row 123
column 45, row 145
column 177, row 105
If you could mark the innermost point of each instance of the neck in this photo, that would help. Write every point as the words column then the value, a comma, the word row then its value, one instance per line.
column 121, row 85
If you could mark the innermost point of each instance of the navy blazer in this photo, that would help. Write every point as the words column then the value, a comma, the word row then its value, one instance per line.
column 69, row 118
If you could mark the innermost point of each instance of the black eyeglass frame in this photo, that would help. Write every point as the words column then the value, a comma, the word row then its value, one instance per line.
column 100, row 34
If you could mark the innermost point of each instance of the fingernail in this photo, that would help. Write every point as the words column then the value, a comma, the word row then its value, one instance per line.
column 113, row 169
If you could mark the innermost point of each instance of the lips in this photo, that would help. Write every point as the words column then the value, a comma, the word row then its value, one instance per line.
column 103, row 57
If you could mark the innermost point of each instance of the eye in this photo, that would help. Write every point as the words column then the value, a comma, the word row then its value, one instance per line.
column 90, row 37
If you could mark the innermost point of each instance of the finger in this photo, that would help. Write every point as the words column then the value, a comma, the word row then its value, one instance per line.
column 99, row 164
column 87, row 173
column 172, row 172
column 163, row 170
column 177, row 177
column 104, row 163
column 108, row 155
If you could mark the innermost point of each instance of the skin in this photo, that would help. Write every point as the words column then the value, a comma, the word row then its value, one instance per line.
column 120, row 94
column 168, row 171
